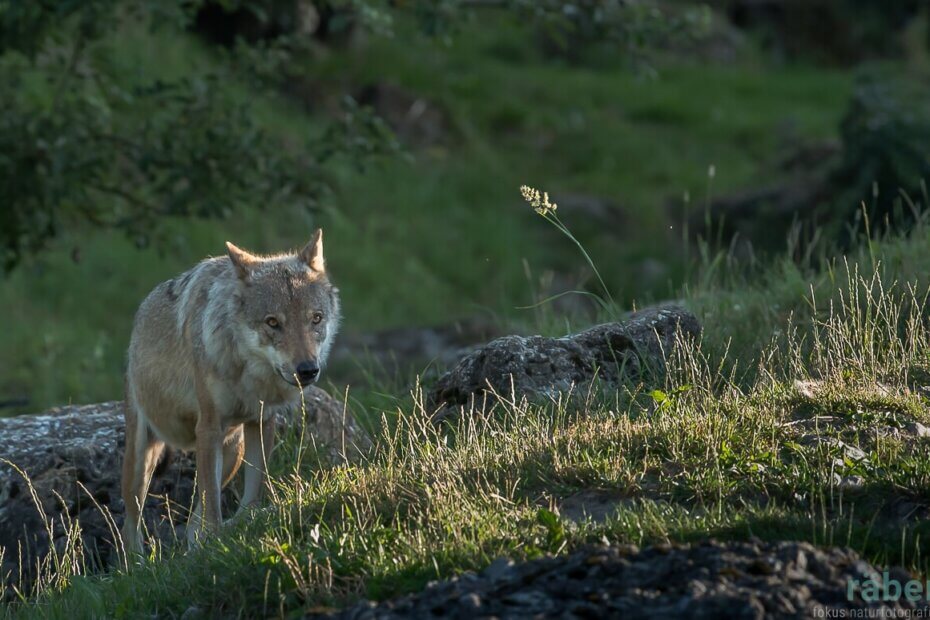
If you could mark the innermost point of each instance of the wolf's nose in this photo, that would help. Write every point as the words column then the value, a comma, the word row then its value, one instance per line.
column 307, row 371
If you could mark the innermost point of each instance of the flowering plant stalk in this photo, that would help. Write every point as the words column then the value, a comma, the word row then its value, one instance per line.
column 541, row 204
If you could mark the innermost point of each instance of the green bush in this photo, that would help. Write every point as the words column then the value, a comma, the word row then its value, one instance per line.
column 884, row 162
column 85, row 140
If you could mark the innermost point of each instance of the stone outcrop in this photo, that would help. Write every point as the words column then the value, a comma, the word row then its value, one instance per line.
column 540, row 368
column 63, row 467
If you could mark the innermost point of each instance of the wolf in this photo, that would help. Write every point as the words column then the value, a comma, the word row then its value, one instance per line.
column 214, row 353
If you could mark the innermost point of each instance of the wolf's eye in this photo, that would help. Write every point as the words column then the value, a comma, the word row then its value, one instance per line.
column 316, row 318
column 272, row 322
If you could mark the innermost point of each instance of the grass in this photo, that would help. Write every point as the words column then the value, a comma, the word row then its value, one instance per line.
column 441, row 235
column 802, row 444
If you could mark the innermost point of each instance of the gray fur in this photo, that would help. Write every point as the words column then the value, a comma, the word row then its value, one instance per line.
column 203, row 358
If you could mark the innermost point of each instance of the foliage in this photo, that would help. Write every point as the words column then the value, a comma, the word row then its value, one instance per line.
column 84, row 140
column 884, row 163
column 569, row 29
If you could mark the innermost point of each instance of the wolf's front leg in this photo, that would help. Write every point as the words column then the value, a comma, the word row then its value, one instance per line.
column 259, row 442
column 206, row 518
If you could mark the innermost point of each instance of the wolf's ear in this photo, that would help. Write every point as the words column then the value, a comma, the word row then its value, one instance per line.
column 241, row 260
column 312, row 254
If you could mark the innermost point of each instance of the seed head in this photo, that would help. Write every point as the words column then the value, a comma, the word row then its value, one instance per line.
column 540, row 203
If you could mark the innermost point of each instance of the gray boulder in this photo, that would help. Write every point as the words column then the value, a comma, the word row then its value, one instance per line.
column 62, row 468
column 540, row 368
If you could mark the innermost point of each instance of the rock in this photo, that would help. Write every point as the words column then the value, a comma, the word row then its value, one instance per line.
column 499, row 569
column 192, row 613
column 809, row 389
column 533, row 599
column 917, row 429
column 706, row 580
column 64, row 466
column 845, row 450
column 539, row 368
column 839, row 449
column 852, row 483
column 470, row 601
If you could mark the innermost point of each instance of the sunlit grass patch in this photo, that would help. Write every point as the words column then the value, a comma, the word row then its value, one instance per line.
column 820, row 442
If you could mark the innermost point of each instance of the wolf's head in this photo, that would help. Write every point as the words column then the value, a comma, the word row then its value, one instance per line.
column 288, row 308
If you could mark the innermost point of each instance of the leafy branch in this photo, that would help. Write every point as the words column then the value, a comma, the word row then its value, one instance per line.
column 82, row 143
